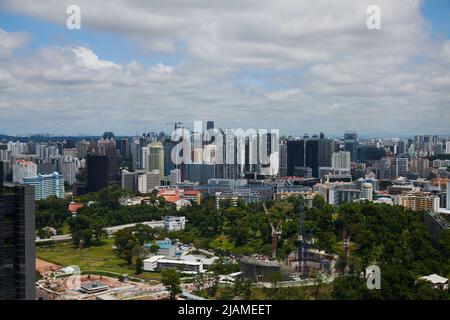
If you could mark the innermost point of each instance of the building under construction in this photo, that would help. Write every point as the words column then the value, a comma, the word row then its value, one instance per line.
column 259, row 268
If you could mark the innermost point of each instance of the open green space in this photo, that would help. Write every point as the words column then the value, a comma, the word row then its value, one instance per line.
column 94, row 258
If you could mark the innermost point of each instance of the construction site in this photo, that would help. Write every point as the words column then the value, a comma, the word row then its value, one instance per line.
column 299, row 265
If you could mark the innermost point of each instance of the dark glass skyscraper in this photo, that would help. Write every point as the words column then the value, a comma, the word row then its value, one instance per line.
column 295, row 156
column 97, row 172
column 310, row 153
column 17, row 241
column 351, row 143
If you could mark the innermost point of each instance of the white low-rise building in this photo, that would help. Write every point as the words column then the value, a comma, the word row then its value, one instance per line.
column 437, row 281
column 159, row 263
column 172, row 223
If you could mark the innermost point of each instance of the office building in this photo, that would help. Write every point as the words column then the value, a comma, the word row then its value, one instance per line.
column 295, row 156
column 136, row 154
column 351, row 144
column 97, row 172
column 67, row 165
column 148, row 181
column 129, row 181
column 107, row 147
column 153, row 157
column 17, row 242
column 341, row 160
column 48, row 185
column 23, row 169
column 175, row 177
column 124, row 148
column 447, row 147
column 399, row 166
column 82, row 149
column 169, row 165
column 308, row 153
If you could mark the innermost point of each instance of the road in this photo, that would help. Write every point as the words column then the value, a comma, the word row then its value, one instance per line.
column 109, row 230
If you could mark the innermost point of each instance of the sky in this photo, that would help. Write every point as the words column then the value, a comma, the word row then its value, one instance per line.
column 297, row 66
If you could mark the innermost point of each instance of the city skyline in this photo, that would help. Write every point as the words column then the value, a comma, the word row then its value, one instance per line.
column 141, row 65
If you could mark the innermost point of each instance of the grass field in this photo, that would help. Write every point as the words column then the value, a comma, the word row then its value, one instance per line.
column 98, row 258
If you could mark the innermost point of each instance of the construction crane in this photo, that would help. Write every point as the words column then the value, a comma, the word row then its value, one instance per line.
column 276, row 232
column 303, row 245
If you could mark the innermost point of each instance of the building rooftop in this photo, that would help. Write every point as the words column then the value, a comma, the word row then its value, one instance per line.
column 435, row 279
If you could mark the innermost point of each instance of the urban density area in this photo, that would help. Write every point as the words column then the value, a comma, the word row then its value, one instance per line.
column 114, row 218
column 224, row 158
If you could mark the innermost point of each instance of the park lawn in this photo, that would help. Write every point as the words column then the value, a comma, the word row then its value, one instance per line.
column 100, row 257
column 94, row 258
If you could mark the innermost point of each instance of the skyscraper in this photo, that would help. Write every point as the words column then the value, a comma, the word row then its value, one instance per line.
column 23, row 169
column 399, row 166
column 351, row 143
column 17, row 237
column 312, row 155
column 210, row 125
column 341, row 160
column 97, row 172
column 136, row 154
column 295, row 156
column 155, row 158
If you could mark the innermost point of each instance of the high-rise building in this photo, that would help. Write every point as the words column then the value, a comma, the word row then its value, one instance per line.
column 351, row 143
column 169, row 165
column 129, row 181
column 17, row 242
column 341, row 160
column 97, row 172
column 148, row 181
column 447, row 147
column 367, row 191
column 209, row 125
column 82, row 149
column 135, row 148
column 399, row 166
column 107, row 147
column 124, row 148
column 23, row 169
column 312, row 156
column 48, row 185
column 175, row 177
column 295, row 156
column 325, row 151
column 283, row 159
column 68, row 168
column 423, row 165
column 155, row 158
column 307, row 153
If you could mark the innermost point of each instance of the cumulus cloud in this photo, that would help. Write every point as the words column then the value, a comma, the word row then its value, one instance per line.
column 310, row 66
column 10, row 41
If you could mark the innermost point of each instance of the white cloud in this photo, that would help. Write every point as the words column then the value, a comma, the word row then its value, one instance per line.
column 305, row 66
column 10, row 41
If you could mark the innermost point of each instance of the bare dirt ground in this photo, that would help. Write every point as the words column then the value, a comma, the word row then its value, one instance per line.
column 45, row 267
